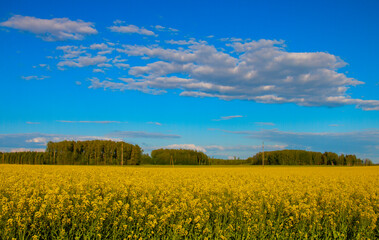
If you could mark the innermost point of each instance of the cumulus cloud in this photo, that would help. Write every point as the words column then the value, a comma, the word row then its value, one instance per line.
column 97, row 70
column 56, row 29
column 122, row 65
column 99, row 46
column 102, row 48
column 42, row 65
column 261, row 71
column 83, row 61
column 80, row 56
column 186, row 146
column 130, row 29
column 141, row 134
column 71, row 51
column 232, row 39
column 168, row 29
column 181, row 42
column 125, row 84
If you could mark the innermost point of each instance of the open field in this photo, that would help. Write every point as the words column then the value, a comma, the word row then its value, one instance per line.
column 94, row 202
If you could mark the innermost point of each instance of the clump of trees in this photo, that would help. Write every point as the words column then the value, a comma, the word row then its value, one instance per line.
column 96, row 152
column 177, row 157
column 302, row 157
column 23, row 158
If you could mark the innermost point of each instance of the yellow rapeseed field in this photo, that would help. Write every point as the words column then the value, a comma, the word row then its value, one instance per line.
column 100, row 202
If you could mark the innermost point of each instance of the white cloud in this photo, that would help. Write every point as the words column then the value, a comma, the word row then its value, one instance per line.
column 37, row 140
column 27, row 150
column 79, row 56
column 130, row 29
column 83, row 61
column 232, row 39
column 102, row 48
column 228, row 118
column 181, row 42
column 106, row 65
column 168, row 29
column 96, row 70
column 186, row 146
column 173, row 29
column 99, row 46
column 122, row 65
column 42, row 65
column 261, row 71
column 159, row 27
column 126, row 84
column 34, row 77
column 71, row 51
column 56, row 29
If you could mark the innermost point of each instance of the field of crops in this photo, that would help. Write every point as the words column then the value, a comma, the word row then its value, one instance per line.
column 100, row 202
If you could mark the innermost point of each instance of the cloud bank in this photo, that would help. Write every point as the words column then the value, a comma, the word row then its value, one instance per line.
column 56, row 29
column 186, row 146
column 261, row 71
column 130, row 29
column 229, row 68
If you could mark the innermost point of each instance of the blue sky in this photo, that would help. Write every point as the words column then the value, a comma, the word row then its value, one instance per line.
column 216, row 76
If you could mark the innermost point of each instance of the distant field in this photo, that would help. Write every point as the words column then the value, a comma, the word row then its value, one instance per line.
column 238, row 202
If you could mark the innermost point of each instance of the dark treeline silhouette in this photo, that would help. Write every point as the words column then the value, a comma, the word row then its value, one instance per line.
column 177, row 157
column 96, row 152
column 301, row 157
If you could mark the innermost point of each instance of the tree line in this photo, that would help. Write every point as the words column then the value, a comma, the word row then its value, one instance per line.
column 102, row 152
column 176, row 157
column 302, row 157
column 95, row 152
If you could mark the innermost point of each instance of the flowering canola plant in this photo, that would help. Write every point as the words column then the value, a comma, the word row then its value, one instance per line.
column 103, row 202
